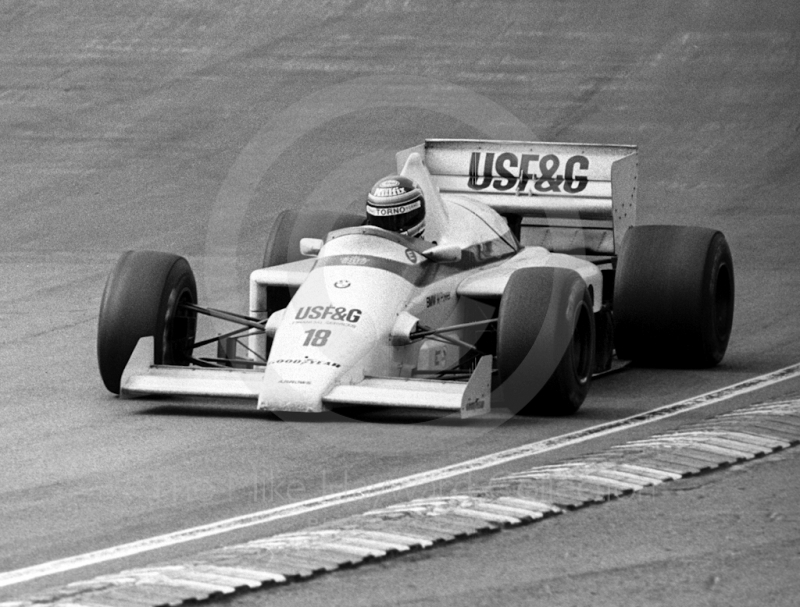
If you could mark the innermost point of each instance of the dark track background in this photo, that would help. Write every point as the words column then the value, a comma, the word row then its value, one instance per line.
column 187, row 126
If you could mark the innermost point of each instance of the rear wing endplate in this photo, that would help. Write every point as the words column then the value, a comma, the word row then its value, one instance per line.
column 570, row 197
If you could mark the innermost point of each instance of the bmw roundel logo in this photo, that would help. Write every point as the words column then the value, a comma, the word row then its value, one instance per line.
column 341, row 284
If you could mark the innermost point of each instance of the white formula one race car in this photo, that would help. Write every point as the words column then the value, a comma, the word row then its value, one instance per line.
column 530, row 275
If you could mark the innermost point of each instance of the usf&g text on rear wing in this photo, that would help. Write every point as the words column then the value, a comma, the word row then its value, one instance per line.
column 569, row 197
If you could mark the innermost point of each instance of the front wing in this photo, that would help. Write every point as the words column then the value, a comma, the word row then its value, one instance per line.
column 473, row 397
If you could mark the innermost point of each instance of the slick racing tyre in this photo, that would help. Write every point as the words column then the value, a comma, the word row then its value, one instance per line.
column 142, row 298
column 673, row 296
column 283, row 242
column 545, row 341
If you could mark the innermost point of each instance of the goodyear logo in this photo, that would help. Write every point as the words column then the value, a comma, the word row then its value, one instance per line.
column 527, row 173
column 303, row 361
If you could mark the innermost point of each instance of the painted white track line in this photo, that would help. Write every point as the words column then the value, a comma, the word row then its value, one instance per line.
column 9, row 578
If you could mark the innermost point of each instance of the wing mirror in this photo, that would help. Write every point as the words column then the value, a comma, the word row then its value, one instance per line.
column 444, row 253
column 310, row 247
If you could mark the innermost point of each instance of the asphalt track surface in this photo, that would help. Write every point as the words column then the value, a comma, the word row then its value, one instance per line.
column 187, row 127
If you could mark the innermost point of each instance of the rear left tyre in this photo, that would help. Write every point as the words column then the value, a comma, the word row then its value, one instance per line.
column 283, row 242
column 290, row 226
column 143, row 297
column 673, row 296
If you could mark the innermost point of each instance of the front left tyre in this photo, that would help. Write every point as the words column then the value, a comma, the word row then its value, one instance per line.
column 545, row 341
column 143, row 297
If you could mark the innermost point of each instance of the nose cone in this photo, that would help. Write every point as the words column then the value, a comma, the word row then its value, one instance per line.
column 310, row 354
column 338, row 317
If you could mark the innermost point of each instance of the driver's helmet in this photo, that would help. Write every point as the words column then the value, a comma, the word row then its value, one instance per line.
column 396, row 203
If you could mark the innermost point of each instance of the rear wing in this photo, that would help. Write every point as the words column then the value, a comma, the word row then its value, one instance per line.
column 567, row 197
